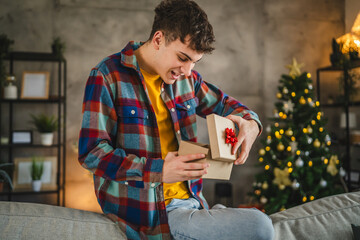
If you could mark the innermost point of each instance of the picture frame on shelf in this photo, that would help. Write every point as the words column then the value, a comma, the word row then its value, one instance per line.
column 35, row 85
column 22, row 174
column 21, row 137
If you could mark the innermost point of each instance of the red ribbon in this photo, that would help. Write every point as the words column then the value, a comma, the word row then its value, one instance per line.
column 230, row 136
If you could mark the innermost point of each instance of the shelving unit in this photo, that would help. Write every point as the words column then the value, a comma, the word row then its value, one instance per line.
column 345, row 106
column 60, row 144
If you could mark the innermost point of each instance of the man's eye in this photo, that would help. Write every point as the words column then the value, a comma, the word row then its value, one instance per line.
column 182, row 59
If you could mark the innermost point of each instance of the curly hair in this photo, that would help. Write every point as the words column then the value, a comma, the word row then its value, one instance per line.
column 178, row 19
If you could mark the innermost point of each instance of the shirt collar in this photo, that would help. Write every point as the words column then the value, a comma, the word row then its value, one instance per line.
column 128, row 57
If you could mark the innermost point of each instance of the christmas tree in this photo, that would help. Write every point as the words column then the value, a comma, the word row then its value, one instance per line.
column 298, row 165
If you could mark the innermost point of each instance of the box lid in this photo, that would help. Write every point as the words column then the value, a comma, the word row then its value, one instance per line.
column 220, row 150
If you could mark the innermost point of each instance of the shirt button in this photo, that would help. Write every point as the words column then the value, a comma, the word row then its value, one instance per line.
column 132, row 112
column 147, row 117
column 188, row 106
column 173, row 109
column 178, row 132
column 152, row 185
column 126, row 183
column 162, row 89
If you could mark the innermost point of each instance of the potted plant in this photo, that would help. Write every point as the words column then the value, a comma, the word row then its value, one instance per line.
column 4, row 176
column 37, row 168
column 58, row 47
column 46, row 126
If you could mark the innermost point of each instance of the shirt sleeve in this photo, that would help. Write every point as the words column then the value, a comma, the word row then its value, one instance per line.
column 213, row 100
column 97, row 140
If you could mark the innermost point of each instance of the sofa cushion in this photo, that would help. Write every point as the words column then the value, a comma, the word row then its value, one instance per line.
column 40, row 221
column 326, row 218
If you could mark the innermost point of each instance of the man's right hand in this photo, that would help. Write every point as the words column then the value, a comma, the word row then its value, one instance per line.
column 180, row 168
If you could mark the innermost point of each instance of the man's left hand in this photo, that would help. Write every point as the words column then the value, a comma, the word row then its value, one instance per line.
column 248, row 131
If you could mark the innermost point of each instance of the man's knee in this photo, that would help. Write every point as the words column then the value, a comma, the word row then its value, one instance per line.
column 264, row 229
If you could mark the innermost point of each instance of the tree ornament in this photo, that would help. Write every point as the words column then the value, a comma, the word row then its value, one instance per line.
column 263, row 200
column 262, row 152
column 293, row 146
column 327, row 138
column 310, row 86
column 273, row 157
column 265, row 185
column 285, row 90
column 331, row 168
column 323, row 183
column 282, row 177
column 309, row 129
column 280, row 147
column 342, row 172
column 295, row 185
column 307, row 153
column 294, row 68
column 268, row 141
column 279, row 95
column 302, row 100
column 289, row 132
column 299, row 162
column 288, row 106
column 309, row 140
column 317, row 143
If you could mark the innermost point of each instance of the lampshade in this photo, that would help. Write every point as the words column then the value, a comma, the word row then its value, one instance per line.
column 351, row 41
column 352, row 120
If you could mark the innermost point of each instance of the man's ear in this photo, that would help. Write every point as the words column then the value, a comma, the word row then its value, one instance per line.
column 158, row 39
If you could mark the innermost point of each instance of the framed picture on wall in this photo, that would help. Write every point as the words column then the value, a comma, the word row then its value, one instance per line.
column 35, row 85
column 22, row 174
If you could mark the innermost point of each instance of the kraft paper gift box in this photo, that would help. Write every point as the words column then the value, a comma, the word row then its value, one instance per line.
column 218, row 154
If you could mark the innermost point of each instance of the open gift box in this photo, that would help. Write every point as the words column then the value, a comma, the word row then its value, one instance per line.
column 218, row 154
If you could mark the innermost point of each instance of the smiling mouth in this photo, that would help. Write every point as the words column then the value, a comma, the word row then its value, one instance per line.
column 174, row 75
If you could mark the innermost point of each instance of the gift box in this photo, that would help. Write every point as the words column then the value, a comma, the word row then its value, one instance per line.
column 218, row 154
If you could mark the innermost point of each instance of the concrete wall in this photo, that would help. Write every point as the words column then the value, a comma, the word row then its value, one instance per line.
column 254, row 40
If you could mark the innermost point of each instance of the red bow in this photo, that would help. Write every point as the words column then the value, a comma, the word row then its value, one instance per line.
column 230, row 136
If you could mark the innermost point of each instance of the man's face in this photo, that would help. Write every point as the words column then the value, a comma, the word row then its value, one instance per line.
column 175, row 59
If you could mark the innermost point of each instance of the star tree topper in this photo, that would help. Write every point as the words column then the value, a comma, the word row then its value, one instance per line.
column 295, row 68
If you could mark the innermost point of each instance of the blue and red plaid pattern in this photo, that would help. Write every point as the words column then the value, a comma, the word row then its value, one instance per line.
column 119, row 139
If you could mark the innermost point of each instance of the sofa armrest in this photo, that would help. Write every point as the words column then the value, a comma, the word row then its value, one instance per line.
column 40, row 221
column 326, row 218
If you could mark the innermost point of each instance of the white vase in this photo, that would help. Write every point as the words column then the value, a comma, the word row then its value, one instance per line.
column 47, row 139
column 10, row 92
column 36, row 185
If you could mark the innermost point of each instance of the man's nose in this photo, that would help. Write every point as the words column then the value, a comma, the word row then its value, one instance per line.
column 187, row 67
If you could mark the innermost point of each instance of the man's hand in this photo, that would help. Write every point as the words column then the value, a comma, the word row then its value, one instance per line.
column 248, row 131
column 179, row 168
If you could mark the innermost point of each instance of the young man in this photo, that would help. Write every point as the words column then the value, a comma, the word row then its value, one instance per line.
column 138, row 105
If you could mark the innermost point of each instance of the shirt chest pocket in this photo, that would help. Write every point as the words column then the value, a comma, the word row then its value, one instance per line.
column 186, row 108
column 133, row 127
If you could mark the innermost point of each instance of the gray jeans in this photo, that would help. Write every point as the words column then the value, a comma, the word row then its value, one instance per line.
column 188, row 221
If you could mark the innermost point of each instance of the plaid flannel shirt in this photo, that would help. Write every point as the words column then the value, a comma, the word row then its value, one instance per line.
column 119, row 139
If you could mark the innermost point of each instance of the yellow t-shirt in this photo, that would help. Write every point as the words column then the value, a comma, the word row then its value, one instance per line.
column 168, row 140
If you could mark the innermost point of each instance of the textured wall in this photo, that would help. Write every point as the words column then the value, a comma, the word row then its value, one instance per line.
column 254, row 40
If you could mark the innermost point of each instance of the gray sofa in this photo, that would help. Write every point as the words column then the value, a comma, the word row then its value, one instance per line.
column 327, row 218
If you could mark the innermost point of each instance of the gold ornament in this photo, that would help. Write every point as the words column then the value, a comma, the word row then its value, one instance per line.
column 279, row 95
column 302, row 100
column 282, row 177
column 265, row 185
column 262, row 152
column 289, row 132
column 310, row 130
column 317, row 143
column 280, row 147
column 294, row 68
column 331, row 168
